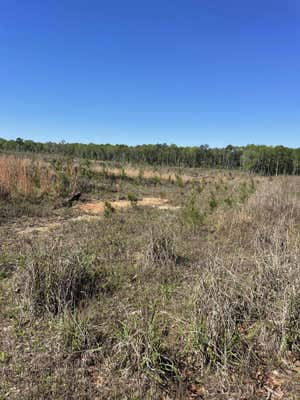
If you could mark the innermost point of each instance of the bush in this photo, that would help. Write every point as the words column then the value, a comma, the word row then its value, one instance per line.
column 108, row 209
column 66, row 176
column 191, row 213
column 156, row 180
column 133, row 199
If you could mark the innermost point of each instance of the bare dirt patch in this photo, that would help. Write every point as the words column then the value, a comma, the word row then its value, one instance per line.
column 94, row 210
column 98, row 207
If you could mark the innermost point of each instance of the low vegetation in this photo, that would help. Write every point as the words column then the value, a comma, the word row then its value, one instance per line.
column 198, row 299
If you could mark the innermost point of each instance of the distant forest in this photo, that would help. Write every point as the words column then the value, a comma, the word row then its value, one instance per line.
column 266, row 160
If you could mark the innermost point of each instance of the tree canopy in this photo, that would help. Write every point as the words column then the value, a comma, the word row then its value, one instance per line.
column 266, row 160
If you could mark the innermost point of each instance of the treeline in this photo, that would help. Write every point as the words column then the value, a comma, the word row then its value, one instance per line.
column 266, row 160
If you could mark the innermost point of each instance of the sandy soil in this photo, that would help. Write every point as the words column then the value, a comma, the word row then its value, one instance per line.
column 94, row 210
column 98, row 207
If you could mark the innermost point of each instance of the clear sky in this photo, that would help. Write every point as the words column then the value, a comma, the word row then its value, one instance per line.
column 188, row 72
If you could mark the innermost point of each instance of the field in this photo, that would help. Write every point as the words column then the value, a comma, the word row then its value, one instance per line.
column 165, row 283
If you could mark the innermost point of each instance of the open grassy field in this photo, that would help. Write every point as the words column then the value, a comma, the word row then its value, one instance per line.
column 157, row 284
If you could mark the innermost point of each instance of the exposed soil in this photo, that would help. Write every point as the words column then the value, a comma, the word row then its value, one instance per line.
column 94, row 210
column 98, row 207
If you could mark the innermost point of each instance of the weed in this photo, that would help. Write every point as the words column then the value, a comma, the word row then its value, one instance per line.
column 108, row 209
column 179, row 180
column 156, row 180
column 244, row 192
column 213, row 202
column 133, row 199
column 228, row 201
column 199, row 188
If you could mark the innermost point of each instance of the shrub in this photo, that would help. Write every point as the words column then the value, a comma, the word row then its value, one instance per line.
column 66, row 176
column 156, row 180
column 85, row 169
column 191, row 213
column 108, row 209
column 133, row 199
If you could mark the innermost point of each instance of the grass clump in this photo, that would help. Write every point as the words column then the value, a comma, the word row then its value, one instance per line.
column 221, row 308
column 143, row 347
column 52, row 282
column 80, row 331
column 161, row 249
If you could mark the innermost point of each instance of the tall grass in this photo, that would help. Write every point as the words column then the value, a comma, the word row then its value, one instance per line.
column 21, row 176
column 34, row 178
column 14, row 175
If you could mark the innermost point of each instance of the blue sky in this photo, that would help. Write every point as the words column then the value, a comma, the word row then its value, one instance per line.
column 188, row 72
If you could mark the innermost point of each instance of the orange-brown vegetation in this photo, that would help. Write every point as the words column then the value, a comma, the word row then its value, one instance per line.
column 21, row 176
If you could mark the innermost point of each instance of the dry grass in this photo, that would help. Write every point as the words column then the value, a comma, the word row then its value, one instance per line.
column 196, row 302
column 173, row 175
column 20, row 176
column 28, row 177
